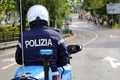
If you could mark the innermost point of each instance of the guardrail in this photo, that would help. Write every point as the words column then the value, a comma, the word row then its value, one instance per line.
column 8, row 36
column 8, row 44
column 8, row 39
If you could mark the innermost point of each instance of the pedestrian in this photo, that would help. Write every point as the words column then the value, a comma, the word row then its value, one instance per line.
column 94, row 20
column 40, row 36
column 110, row 23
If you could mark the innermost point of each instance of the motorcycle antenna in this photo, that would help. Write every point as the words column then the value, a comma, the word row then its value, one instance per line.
column 21, row 28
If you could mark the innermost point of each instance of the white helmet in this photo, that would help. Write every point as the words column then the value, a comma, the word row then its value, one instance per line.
column 37, row 11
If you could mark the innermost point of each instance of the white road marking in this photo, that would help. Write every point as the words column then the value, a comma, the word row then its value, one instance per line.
column 9, row 60
column 96, row 36
column 9, row 66
column 111, row 36
column 111, row 61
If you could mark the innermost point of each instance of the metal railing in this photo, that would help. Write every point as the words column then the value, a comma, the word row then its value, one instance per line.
column 8, row 39
column 8, row 36
column 8, row 44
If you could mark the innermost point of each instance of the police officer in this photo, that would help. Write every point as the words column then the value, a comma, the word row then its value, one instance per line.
column 40, row 36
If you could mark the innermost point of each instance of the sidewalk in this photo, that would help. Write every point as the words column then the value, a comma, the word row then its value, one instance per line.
column 7, row 51
column 116, row 30
column 113, row 29
column 8, row 47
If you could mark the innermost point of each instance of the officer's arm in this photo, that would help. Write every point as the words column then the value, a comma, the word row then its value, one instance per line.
column 62, row 53
column 18, row 54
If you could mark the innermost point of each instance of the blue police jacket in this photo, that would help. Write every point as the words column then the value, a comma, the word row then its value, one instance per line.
column 41, row 37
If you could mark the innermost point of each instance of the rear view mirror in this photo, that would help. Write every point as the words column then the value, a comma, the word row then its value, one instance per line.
column 74, row 48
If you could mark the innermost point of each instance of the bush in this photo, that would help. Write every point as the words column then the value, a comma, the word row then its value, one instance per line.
column 8, row 36
column 3, row 29
column 117, row 25
column 9, row 33
column 9, row 28
column 105, row 23
column 13, row 29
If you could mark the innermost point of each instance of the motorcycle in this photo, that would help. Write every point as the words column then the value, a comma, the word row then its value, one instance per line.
column 44, row 72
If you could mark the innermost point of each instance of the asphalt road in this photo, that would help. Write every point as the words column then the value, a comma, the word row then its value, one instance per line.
column 99, row 59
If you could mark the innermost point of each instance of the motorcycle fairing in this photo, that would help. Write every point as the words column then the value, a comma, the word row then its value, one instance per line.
column 38, row 73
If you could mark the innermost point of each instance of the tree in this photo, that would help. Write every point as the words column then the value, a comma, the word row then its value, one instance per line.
column 7, row 8
column 95, row 5
column 58, row 9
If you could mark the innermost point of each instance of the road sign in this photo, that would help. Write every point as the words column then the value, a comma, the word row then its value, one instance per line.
column 113, row 8
column 118, row 8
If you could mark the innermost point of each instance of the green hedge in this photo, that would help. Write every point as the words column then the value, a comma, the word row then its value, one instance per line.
column 9, row 28
column 8, row 36
column 117, row 25
column 9, row 33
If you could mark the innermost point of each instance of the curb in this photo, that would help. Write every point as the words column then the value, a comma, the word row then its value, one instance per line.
column 116, row 30
column 112, row 29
